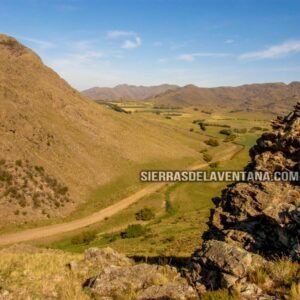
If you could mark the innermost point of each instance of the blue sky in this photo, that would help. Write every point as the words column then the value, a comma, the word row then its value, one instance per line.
column 147, row 42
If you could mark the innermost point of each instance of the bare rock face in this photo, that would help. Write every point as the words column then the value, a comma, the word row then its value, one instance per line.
column 254, row 222
column 119, row 278
column 106, row 257
column 140, row 281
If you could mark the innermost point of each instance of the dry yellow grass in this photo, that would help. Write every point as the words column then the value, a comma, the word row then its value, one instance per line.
column 81, row 143
column 40, row 275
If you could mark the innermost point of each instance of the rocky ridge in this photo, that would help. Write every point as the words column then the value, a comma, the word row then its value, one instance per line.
column 254, row 223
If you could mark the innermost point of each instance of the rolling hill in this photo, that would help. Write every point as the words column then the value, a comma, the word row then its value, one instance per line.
column 54, row 140
column 269, row 97
column 127, row 92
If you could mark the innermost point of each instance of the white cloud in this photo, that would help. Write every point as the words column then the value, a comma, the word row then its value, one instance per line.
column 273, row 52
column 229, row 41
column 133, row 40
column 116, row 34
column 191, row 56
column 132, row 44
column 40, row 43
column 82, row 44
column 76, row 59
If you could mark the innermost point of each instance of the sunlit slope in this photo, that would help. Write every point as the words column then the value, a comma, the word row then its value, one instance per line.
column 268, row 97
column 82, row 144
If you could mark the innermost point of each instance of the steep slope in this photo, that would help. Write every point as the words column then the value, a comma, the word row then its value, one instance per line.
column 79, row 143
column 269, row 97
column 256, row 223
column 125, row 91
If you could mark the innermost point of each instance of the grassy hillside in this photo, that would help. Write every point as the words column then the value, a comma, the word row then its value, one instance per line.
column 81, row 144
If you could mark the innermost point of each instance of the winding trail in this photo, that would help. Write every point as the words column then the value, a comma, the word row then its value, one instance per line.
column 51, row 230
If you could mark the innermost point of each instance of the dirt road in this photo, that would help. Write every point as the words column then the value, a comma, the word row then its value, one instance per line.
column 46, row 231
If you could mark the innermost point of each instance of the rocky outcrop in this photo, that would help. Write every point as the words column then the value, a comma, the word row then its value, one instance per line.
column 121, row 278
column 141, row 281
column 254, row 222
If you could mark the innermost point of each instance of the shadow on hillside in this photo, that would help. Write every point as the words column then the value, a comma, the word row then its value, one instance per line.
column 177, row 262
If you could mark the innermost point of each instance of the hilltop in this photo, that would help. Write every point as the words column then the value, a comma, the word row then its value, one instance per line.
column 47, row 125
column 125, row 91
column 268, row 97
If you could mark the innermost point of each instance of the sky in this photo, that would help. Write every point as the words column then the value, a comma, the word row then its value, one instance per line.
column 149, row 42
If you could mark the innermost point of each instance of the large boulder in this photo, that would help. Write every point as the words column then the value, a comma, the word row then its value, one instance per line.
column 140, row 281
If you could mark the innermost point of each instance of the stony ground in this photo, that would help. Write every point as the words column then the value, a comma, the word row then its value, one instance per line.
column 27, row 272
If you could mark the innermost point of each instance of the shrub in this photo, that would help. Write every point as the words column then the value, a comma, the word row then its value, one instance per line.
column 225, row 131
column 240, row 130
column 230, row 138
column 19, row 163
column 212, row 142
column 12, row 191
column 39, row 169
column 5, row 176
column 2, row 162
column 203, row 150
column 22, row 202
column 214, row 164
column 202, row 126
column 133, row 231
column 63, row 190
column 259, row 276
column 84, row 238
column 145, row 214
column 207, row 157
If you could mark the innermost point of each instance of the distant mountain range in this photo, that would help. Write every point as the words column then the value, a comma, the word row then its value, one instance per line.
column 267, row 97
column 125, row 91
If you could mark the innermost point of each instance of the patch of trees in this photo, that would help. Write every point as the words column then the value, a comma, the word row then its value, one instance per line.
column 85, row 237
